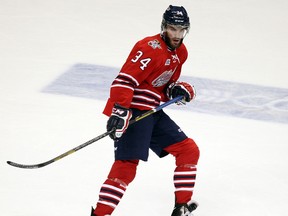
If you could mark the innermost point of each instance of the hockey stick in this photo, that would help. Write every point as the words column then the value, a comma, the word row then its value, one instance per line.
column 138, row 118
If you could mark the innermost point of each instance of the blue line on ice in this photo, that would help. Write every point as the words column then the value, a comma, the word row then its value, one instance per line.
column 213, row 96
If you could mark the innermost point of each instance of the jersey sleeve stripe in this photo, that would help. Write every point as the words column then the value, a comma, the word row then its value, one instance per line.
column 122, row 86
column 128, row 78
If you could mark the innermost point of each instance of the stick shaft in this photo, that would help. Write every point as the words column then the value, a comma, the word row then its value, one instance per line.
column 138, row 118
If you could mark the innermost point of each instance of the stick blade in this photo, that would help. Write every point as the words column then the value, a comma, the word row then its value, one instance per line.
column 24, row 166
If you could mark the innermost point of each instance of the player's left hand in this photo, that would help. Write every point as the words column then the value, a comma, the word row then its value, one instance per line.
column 181, row 88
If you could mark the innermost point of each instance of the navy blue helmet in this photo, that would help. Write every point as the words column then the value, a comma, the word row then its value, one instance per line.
column 175, row 15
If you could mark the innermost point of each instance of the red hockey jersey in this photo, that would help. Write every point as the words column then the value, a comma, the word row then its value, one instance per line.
column 144, row 77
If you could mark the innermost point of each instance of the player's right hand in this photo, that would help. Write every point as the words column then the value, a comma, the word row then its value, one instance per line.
column 118, row 121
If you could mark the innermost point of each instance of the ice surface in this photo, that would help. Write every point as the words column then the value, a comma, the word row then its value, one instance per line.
column 243, row 164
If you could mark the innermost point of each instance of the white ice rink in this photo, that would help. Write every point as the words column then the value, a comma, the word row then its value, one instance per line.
column 243, row 169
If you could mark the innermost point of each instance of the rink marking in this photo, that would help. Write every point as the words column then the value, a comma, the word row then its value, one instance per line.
column 214, row 97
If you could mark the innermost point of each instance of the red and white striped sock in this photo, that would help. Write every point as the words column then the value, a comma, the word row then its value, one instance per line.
column 184, row 181
column 110, row 195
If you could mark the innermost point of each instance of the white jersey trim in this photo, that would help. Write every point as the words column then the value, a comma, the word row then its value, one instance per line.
column 131, row 77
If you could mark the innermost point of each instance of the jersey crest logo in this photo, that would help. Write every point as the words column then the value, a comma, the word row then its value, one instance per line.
column 155, row 44
column 163, row 78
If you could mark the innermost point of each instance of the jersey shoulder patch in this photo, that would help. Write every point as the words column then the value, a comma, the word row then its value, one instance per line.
column 155, row 44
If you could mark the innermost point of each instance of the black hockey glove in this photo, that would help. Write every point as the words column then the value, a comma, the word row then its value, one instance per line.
column 118, row 121
column 181, row 88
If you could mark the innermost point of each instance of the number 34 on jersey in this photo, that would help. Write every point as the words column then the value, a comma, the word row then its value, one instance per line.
column 144, row 62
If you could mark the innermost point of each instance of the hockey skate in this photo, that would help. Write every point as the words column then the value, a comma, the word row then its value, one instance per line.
column 184, row 209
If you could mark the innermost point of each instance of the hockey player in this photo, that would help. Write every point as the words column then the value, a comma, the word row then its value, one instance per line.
column 150, row 76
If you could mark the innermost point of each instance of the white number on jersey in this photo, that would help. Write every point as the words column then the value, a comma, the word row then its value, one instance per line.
column 144, row 62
